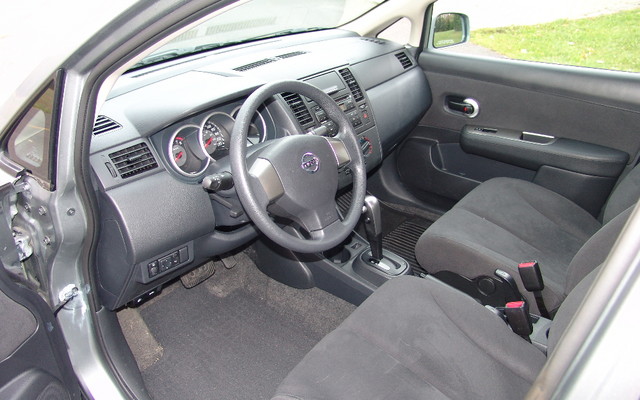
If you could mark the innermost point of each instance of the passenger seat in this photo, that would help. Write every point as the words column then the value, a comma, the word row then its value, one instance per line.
column 506, row 221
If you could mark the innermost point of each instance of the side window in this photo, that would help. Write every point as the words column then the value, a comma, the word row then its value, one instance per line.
column 399, row 31
column 30, row 143
column 578, row 33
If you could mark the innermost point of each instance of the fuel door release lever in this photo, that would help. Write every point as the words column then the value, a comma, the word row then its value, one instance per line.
column 462, row 106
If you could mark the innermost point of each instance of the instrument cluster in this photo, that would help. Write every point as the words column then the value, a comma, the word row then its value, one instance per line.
column 194, row 145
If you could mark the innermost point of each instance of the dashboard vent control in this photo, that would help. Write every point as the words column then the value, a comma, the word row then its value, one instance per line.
column 404, row 60
column 352, row 83
column 133, row 160
column 105, row 124
column 298, row 107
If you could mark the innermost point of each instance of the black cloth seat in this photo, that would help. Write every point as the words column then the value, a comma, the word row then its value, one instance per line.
column 506, row 221
column 417, row 338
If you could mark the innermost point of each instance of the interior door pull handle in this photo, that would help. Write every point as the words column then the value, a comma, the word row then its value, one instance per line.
column 465, row 108
column 468, row 107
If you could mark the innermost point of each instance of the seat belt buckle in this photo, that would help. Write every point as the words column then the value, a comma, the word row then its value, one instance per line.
column 518, row 317
column 531, row 276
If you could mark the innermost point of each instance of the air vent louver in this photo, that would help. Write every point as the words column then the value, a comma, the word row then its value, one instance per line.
column 104, row 124
column 298, row 107
column 133, row 160
column 404, row 60
column 266, row 61
column 292, row 54
column 352, row 83
column 372, row 40
column 255, row 64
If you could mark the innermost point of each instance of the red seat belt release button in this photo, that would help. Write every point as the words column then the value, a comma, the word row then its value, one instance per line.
column 531, row 276
column 518, row 317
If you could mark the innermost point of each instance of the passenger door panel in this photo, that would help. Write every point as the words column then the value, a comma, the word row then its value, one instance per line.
column 588, row 120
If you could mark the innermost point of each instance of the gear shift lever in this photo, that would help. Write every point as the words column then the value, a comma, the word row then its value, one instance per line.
column 373, row 226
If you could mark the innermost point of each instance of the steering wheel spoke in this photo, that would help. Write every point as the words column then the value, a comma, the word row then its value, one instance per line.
column 267, row 176
column 340, row 151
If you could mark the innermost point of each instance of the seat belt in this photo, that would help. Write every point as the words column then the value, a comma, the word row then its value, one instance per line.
column 532, row 280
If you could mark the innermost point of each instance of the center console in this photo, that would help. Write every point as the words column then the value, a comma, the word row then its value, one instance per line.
column 351, row 271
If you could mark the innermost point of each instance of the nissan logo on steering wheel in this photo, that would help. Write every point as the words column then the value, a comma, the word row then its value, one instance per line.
column 310, row 163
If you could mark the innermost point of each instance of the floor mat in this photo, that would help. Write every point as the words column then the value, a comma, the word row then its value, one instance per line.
column 402, row 241
column 235, row 336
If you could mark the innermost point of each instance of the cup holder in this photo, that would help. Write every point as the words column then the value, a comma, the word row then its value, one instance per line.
column 338, row 255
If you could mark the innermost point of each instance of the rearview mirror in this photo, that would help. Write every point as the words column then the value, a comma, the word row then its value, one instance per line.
column 450, row 29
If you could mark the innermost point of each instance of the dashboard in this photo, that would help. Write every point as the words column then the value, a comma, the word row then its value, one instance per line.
column 165, row 129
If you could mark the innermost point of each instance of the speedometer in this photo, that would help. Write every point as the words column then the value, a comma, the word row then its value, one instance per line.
column 212, row 138
column 214, row 135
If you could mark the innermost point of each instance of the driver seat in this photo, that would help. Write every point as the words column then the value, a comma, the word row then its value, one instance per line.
column 418, row 338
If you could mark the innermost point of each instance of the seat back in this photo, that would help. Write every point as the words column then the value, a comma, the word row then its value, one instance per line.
column 582, row 272
column 623, row 196
column 595, row 250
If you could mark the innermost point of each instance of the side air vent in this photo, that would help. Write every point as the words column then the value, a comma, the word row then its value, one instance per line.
column 266, row 61
column 104, row 124
column 133, row 160
column 298, row 107
column 404, row 60
column 352, row 83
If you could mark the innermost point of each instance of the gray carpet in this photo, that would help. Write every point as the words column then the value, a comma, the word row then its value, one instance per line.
column 235, row 336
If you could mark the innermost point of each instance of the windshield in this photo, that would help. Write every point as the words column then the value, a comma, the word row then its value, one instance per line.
column 260, row 19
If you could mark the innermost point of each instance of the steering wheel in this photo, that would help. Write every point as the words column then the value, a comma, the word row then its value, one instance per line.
column 296, row 177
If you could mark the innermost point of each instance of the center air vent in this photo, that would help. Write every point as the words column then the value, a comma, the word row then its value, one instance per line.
column 404, row 60
column 133, row 160
column 298, row 107
column 352, row 83
column 104, row 124
column 266, row 61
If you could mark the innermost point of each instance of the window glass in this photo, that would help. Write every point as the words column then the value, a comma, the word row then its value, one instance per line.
column 399, row 31
column 30, row 143
column 584, row 33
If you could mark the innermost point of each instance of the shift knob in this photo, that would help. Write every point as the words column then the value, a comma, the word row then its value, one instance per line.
column 373, row 226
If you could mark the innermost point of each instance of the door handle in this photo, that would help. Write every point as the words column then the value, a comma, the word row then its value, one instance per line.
column 464, row 106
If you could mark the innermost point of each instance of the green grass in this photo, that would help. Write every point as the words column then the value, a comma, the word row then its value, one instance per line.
column 609, row 41
column 447, row 38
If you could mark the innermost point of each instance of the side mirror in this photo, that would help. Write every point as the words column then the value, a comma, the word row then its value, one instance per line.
column 450, row 29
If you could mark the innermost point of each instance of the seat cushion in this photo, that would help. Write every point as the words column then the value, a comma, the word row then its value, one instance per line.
column 416, row 339
column 504, row 222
